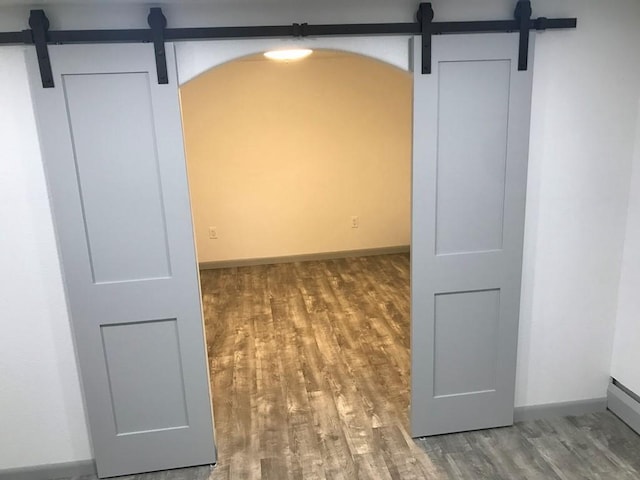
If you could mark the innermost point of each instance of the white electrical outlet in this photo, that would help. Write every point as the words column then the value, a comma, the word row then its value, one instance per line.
column 355, row 222
column 213, row 233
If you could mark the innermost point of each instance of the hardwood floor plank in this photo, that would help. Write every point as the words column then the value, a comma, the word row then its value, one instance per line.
column 339, row 463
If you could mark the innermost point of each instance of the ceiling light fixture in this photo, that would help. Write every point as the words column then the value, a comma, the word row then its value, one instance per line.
column 286, row 55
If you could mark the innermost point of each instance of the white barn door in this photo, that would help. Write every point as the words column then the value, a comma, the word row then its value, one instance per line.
column 111, row 140
column 470, row 141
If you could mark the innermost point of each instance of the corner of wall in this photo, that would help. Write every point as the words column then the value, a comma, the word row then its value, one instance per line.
column 625, row 355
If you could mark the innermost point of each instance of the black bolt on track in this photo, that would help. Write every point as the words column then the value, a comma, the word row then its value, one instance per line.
column 158, row 33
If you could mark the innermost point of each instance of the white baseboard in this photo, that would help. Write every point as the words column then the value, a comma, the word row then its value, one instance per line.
column 560, row 409
column 308, row 257
column 624, row 404
column 51, row 471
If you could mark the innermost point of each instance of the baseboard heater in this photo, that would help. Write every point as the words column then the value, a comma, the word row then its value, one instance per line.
column 624, row 403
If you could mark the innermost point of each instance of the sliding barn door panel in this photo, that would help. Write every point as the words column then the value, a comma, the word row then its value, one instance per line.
column 112, row 147
column 471, row 130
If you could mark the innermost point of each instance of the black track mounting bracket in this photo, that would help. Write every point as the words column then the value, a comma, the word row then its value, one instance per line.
column 299, row 30
column 39, row 24
column 158, row 22
column 425, row 19
column 522, row 15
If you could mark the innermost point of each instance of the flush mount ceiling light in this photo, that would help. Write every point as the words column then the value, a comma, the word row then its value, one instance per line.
column 290, row 54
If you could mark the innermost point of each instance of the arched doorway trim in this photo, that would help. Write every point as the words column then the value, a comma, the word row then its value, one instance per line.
column 195, row 58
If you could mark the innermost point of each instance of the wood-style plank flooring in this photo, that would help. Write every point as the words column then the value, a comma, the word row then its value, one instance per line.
column 310, row 379
column 310, row 369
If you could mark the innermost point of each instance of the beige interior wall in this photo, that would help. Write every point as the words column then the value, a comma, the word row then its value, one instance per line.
column 282, row 155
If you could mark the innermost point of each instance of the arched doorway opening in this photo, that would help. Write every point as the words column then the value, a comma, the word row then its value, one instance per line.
column 300, row 180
